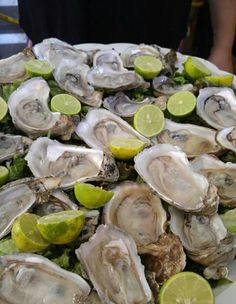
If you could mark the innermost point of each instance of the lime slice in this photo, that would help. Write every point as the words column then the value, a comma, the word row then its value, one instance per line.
column 186, row 287
column 125, row 148
column 3, row 108
column 147, row 66
column 229, row 220
column 4, row 174
column 65, row 104
column 90, row 196
column 220, row 80
column 195, row 68
column 149, row 120
column 61, row 227
column 181, row 103
column 37, row 67
column 26, row 235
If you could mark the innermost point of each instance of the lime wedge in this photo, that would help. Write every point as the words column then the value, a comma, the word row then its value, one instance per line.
column 181, row 103
column 3, row 108
column 229, row 220
column 147, row 66
column 26, row 235
column 37, row 67
column 90, row 196
column 61, row 227
column 220, row 80
column 4, row 174
column 65, row 104
column 186, row 287
column 195, row 68
column 125, row 148
column 149, row 120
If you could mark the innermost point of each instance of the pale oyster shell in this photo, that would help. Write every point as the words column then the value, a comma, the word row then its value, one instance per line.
column 227, row 138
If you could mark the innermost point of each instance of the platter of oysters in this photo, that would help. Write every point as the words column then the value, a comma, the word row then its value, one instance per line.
column 167, row 209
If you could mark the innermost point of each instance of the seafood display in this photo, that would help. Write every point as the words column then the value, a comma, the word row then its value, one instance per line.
column 93, row 209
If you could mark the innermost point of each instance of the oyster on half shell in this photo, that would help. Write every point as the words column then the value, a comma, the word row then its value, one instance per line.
column 217, row 106
column 193, row 140
column 227, row 138
column 100, row 126
column 29, row 109
column 163, row 85
column 114, row 267
column 222, row 175
column 72, row 163
column 165, row 168
column 147, row 217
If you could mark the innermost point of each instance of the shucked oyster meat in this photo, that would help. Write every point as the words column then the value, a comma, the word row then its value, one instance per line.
column 28, row 107
column 72, row 163
column 13, row 68
column 33, row 279
column 193, row 140
column 166, row 86
column 143, row 209
column 19, row 196
column 110, row 258
column 227, row 138
column 166, row 169
column 217, row 106
column 100, row 126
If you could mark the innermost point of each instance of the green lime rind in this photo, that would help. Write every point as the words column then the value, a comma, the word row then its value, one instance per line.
column 3, row 108
column 220, row 80
column 4, row 175
column 186, row 287
column 147, row 66
column 65, row 104
column 195, row 69
column 90, row 196
column 35, row 67
column 61, row 227
column 26, row 235
column 229, row 220
column 126, row 148
column 181, row 104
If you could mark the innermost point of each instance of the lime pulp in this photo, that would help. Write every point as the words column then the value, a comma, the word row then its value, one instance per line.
column 65, row 104
column 37, row 67
column 195, row 68
column 181, row 103
column 229, row 220
column 125, row 148
column 220, row 80
column 3, row 108
column 147, row 66
column 4, row 174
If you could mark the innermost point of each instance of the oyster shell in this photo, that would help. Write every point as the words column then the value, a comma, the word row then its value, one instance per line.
column 48, row 157
column 222, row 175
column 166, row 169
column 54, row 50
column 227, row 138
column 217, row 106
column 71, row 76
column 166, row 86
column 100, row 126
column 114, row 267
column 121, row 105
column 28, row 107
column 31, row 278
column 193, row 140
column 18, row 197
column 13, row 68
column 11, row 145
column 165, row 258
column 108, row 73
column 128, row 55
column 143, row 208
column 205, row 239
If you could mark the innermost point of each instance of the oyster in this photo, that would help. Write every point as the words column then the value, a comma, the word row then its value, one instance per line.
column 121, row 105
column 114, row 267
column 54, row 50
column 33, row 279
column 48, row 157
column 227, row 138
column 28, row 107
column 13, row 68
column 11, row 145
column 165, row 258
column 143, row 208
column 193, row 140
column 71, row 76
column 166, row 86
column 128, row 55
column 101, row 126
column 166, row 169
column 217, row 106
column 222, row 175
column 205, row 239
column 18, row 197
column 108, row 73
